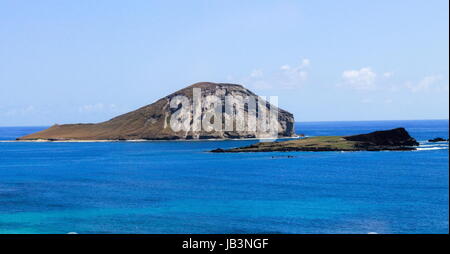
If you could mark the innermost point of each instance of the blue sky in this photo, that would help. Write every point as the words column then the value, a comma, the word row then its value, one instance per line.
column 87, row 61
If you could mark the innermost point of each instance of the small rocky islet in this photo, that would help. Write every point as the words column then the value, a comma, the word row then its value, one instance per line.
column 438, row 139
column 389, row 140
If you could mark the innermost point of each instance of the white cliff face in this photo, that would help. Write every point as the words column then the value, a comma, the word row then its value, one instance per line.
column 226, row 111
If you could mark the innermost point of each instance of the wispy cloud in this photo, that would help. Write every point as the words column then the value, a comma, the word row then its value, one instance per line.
column 296, row 75
column 285, row 77
column 20, row 111
column 97, row 108
column 427, row 83
column 256, row 74
column 388, row 74
column 362, row 79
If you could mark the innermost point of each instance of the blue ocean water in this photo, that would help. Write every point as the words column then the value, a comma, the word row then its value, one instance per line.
column 176, row 187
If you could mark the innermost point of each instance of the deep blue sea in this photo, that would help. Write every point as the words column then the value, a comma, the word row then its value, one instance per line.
column 176, row 187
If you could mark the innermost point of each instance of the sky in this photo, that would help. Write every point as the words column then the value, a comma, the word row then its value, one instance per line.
column 88, row 61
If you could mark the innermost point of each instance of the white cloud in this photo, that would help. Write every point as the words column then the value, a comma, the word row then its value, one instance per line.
column 285, row 67
column 256, row 74
column 388, row 74
column 426, row 84
column 305, row 62
column 362, row 79
column 98, row 107
column 20, row 111
column 298, row 72
column 286, row 77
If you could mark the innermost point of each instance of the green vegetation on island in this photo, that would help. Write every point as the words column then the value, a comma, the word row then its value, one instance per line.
column 395, row 140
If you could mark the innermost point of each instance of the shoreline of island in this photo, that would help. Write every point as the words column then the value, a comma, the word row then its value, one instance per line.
column 137, row 140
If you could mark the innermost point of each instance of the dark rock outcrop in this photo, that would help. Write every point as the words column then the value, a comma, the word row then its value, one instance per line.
column 395, row 137
column 218, row 150
column 390, row 140
column 152, row 122
column 437, row 140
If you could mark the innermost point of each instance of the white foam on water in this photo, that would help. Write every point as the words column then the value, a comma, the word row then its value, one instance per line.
column 431, row 148
column 434, row 145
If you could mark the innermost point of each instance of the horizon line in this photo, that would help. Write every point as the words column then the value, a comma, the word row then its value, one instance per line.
column 319, row 121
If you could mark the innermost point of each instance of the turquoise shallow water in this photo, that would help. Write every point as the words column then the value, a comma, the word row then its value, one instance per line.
column 175, row 187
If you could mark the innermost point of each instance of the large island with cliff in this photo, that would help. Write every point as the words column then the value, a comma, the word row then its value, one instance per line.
column 152, row 122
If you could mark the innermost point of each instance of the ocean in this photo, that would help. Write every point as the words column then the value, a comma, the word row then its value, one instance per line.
column 177, row 187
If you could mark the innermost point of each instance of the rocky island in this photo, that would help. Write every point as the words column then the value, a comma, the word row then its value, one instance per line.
column 152, row 122
column 390, row 140
column 438, row 139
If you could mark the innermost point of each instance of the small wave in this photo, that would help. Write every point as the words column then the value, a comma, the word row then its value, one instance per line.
column 428, row 142
column 431, row 148
column 434, row 145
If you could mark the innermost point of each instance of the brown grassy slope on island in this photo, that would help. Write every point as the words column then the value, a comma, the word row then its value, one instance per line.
column 395, row 139
column 152, row 122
